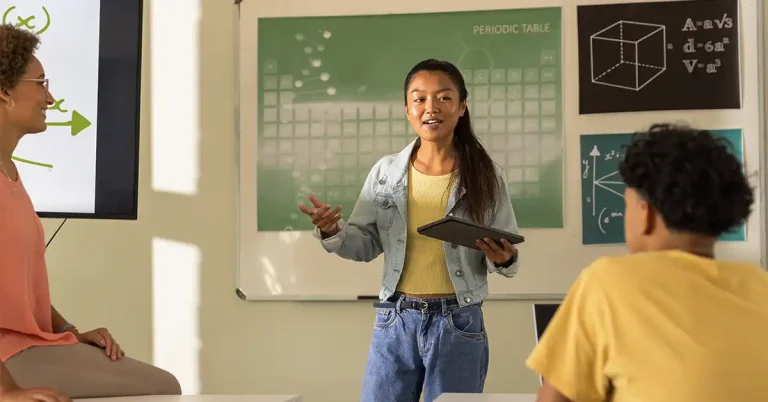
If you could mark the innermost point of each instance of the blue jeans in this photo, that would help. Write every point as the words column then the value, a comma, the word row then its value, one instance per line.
column 443, row 348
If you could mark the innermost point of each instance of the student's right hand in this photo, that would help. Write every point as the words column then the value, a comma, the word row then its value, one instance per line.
column 34, row 395
column 322, row 216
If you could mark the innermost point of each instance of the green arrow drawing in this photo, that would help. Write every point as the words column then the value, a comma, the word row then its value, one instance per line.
column 77, row 124
column 30, row 162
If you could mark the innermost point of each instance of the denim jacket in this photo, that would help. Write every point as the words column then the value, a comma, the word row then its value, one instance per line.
column 378, row 225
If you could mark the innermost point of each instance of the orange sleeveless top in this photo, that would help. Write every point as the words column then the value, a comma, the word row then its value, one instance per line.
column 25, row 302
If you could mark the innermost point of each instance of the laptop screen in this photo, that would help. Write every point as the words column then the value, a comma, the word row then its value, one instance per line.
column 542, row 315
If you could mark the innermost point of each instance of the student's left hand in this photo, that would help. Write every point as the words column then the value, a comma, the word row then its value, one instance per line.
column 496, row 254
column 102, row 338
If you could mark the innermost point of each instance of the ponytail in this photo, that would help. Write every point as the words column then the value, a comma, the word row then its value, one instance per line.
column 477, row 173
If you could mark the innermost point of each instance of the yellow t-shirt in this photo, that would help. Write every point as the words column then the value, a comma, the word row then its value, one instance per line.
column 658, row 327
column 425, row 271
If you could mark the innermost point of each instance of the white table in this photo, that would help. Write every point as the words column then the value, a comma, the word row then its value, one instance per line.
column 486, row 398
column 199, row 398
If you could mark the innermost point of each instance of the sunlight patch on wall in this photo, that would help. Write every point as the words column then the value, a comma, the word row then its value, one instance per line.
column 175, row 311
column 175, row 95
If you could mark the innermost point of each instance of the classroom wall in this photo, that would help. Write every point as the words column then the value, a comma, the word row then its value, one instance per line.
column 176, row 264
column 138, row 277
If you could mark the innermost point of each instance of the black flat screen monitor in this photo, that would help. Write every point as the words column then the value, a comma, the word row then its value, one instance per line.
column 85, row 165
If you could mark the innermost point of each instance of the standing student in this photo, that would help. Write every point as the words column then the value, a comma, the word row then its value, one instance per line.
column 669, row 321
column 429, row 332
column 39, row 347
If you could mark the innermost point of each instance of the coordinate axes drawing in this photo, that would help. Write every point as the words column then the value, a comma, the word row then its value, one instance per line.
column 604, row 182
column 628, row 54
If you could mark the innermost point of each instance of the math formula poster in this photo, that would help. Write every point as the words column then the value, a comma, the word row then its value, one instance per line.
column 678, row 55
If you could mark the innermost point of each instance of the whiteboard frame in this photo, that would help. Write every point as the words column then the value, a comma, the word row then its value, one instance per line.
column 568, row 138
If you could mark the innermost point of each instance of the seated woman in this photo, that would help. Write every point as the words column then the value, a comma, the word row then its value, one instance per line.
column 39, row 347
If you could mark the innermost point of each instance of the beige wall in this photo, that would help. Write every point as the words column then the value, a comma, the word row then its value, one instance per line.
column 247, row 347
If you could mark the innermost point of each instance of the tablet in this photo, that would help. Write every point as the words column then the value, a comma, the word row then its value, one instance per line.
column 465, row 233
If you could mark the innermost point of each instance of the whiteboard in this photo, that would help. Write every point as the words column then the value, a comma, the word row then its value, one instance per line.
column 292, row 265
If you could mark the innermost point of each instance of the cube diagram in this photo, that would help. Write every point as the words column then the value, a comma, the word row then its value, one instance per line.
column 628, row 54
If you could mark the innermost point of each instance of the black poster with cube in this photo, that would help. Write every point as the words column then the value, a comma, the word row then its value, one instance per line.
column 671, row 55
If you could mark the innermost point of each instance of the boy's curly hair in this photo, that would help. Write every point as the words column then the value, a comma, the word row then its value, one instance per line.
column 691, row 177
column 17, row 46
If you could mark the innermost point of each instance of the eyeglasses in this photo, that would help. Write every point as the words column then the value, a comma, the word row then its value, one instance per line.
column 43, row 81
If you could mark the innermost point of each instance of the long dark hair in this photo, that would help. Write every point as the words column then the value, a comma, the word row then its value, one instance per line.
column 477, row 173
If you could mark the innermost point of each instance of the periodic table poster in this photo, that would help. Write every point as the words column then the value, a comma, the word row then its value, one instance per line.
column 331, row 103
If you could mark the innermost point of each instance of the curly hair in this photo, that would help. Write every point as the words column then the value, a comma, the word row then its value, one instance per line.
column 689, row 177
column 17, row 46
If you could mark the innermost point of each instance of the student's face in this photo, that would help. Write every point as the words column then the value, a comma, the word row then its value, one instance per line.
column 433, row 106
column 26, row 104
column 638, row 222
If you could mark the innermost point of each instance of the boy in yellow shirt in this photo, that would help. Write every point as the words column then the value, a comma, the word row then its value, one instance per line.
column 668, row 321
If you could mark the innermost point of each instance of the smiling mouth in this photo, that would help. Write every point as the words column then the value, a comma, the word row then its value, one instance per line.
column 432, row 123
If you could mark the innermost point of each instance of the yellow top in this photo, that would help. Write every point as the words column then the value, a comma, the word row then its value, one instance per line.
column 425, row 271
column 660, row 326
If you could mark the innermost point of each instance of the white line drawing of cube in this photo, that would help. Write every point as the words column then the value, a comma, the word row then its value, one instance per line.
column 628, row 54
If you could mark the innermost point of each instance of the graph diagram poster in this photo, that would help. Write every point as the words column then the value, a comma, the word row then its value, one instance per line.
column 671, row 55
column 602, row 189
column 69, row 51
column 331, row 104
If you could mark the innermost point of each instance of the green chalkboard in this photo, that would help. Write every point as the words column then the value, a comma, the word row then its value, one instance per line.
column 602, row 190
column 331, row 103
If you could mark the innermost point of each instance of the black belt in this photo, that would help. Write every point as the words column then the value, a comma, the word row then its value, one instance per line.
column 433, row 306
